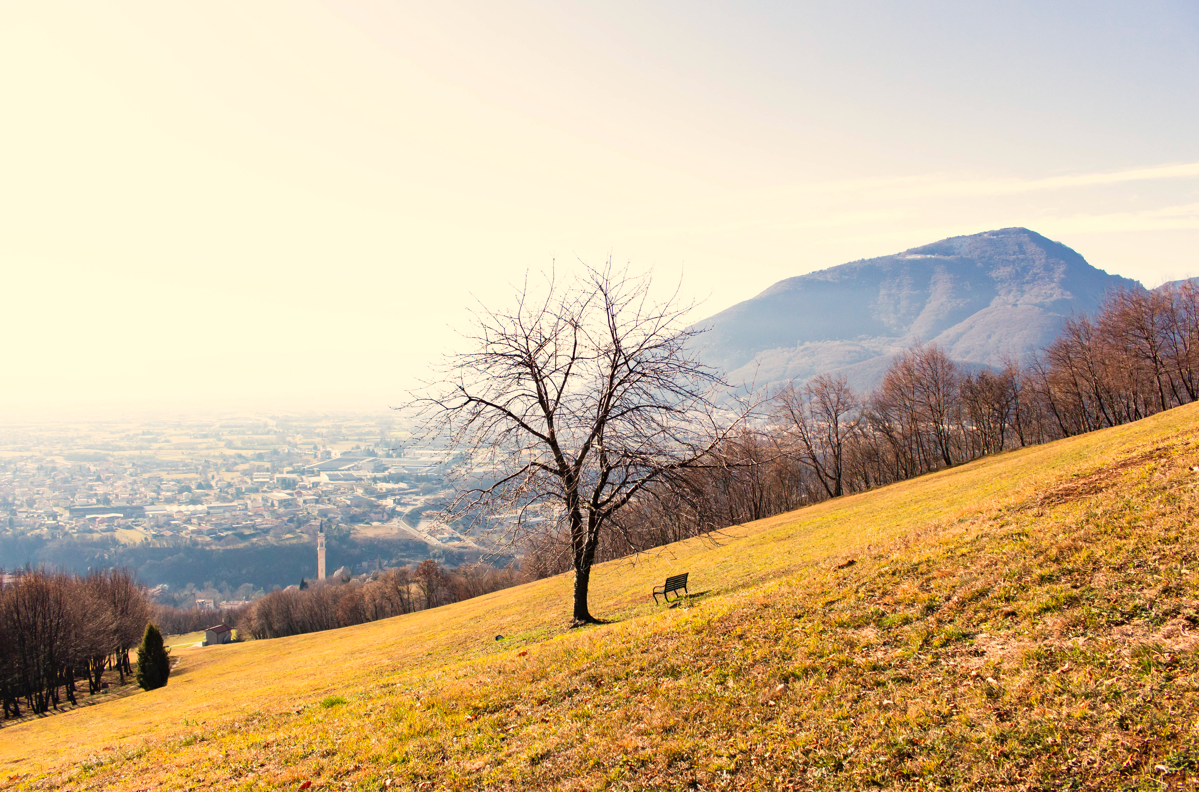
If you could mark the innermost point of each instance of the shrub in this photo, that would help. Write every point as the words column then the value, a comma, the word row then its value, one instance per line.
column 153, row 660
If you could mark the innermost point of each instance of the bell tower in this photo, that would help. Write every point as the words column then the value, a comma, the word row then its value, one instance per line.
column 320, row 552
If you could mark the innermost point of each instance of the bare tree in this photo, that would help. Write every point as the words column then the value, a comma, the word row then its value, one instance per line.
column 1182, row 338
column 129, row 610
column 1138, row 322
column 823, row 417
column 937, row 383
column 582, row 398
column 989, row 399
column 431, row 580
column 351, row 608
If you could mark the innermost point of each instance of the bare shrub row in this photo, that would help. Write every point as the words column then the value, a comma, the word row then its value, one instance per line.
column 393, row 592
column 180, row 621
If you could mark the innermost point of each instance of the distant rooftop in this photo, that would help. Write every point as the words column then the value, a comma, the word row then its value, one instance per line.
column 341, row 463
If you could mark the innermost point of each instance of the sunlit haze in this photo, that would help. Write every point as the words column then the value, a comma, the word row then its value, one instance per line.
column 290, row 206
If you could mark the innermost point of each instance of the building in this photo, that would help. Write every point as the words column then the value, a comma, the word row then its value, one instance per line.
column 286, row 480
column 340, row 478
column 320, row 553
column 342, row 463
column 159, row 511
column 279, row 499
column 220, row 634
column 122, row 510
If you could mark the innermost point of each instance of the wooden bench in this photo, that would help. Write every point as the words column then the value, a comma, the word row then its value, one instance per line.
column 675, row 583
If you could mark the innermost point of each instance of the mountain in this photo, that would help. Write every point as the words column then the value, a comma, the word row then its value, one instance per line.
column 1178, row 283
column 981, row 297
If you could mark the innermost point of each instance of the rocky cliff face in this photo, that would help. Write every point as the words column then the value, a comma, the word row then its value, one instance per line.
column 982, row 297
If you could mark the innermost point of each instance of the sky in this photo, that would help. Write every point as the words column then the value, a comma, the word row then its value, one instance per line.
column 292, row 206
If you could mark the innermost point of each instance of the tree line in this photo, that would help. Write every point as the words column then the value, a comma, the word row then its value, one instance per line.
column 58, row 628
column 1139, row 355
column 334, row 603
column 180, row 621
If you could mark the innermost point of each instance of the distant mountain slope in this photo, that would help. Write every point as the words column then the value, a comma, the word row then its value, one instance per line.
column 1177, row 283
column 981, row 297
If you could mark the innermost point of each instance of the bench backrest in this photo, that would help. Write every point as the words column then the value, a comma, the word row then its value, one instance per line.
column 676, row 582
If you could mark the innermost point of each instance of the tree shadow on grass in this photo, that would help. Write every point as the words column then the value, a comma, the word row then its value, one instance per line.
column 593, row 622
column 687, row 599
column 114, row 691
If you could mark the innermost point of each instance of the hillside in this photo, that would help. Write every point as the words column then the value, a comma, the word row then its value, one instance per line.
column 981, row 297
column 1174, row 284
column 1020, row 622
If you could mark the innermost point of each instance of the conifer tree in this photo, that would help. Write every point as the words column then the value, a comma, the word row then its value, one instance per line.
column 153, row 660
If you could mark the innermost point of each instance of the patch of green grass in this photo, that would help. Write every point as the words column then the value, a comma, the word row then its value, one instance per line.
column 1002, row 628
column 329, row 702
column 187, row 639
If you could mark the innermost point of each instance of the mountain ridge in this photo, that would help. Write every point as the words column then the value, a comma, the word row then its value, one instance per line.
column 984, row 297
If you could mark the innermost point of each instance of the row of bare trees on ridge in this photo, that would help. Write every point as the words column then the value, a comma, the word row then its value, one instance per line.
column 1139, row 355
column 57, row 628
column 335, row 603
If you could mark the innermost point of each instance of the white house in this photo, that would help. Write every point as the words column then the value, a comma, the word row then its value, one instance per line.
column 222, row 633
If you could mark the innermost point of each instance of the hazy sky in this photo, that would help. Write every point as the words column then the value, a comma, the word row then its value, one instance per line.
column 288, row 205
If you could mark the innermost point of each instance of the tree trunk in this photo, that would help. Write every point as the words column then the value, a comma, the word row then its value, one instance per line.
column 582, row 615
column 583, row 556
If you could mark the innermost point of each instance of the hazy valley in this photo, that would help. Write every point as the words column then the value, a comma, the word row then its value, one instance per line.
column 222, row 509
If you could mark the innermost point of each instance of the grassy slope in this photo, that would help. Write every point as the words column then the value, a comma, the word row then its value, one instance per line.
column 1023, row 621
column 187, row 639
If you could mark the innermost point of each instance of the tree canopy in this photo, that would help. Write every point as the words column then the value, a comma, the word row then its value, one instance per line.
column 579, row 397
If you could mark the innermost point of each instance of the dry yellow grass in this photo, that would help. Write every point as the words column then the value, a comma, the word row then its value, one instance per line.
column 1018, row 622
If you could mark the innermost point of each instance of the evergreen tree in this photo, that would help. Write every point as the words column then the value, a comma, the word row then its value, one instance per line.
column 153, row 660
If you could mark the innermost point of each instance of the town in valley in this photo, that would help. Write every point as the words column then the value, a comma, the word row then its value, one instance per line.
column 220, row 486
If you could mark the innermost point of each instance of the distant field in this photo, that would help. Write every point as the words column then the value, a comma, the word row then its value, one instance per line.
column 1023, row 622
column 188, row 639
column 130, row 536
column 380, row 531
